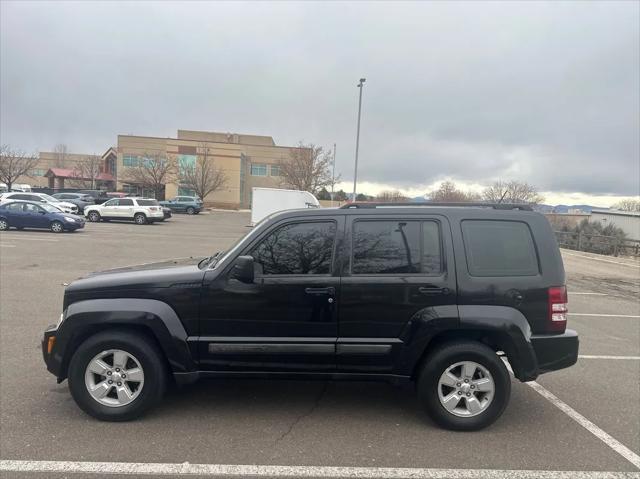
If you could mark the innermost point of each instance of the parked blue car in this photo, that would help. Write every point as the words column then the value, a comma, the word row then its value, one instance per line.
column 190, row 205
column 27, row 214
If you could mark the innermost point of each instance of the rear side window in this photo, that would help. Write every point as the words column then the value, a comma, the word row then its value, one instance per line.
column 396, row 247
column 297, row 248
column 123, row 202
column 499, row 248
column 143, row 202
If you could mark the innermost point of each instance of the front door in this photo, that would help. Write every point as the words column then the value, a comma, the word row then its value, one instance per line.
column 35, row 216
column 286, row 319
column 109, row 209
column 397, row 274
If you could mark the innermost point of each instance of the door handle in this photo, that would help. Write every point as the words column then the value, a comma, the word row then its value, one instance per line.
column 433, row 290
column 320, row 291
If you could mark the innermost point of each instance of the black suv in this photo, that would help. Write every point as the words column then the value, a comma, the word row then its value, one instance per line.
column 430, row 294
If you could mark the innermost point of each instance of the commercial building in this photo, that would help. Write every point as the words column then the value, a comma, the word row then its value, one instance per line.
column 246, row 160
column 627, row 221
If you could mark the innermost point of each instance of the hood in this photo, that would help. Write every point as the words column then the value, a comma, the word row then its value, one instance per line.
column 163, row 274
column 65, row 204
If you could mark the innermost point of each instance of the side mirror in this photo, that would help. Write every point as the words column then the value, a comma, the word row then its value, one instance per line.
column 243, row 269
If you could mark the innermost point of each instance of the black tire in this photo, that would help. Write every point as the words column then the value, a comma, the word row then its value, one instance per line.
column 93, row 216
column 57, row 226
column 449, row 354
column 140, row 219
column 151, row 361
column 4, row 224
column 191, row 210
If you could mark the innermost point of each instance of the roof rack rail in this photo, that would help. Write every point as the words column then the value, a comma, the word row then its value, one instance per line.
column 495, row 206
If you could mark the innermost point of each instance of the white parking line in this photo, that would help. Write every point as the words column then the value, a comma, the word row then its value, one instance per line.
column 605, row 315
column 589, row 356
column 588, row 293
column 7, row 245
column 224, row 470
column 637, row 265
column 609, row 440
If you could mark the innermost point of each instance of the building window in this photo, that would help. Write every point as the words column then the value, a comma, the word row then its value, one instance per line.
column 129, row 160
column 258, row 169
column 184, row 191
column 275, row 170
column 38, row 172
column 186, row 162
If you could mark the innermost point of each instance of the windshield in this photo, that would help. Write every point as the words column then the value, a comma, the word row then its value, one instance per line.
column 50, row 199
column 50, row 208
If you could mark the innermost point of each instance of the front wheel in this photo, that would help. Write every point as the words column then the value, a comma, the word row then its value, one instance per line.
column 191, row 210
column 140, row 219
column 117, row 375
column 464, row 386
column 57, row 227
column 94, row 216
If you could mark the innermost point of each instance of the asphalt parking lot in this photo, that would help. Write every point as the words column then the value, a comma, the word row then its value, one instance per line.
column 586, row 418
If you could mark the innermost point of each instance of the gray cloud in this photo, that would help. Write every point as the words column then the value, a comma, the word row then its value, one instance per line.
column 547, row 92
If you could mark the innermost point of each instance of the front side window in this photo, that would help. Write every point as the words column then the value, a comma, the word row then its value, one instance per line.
column 258, row 169
column 499, row 248
column 29, row 208
column 297, row 248
column 386, row 247
column 114, row 202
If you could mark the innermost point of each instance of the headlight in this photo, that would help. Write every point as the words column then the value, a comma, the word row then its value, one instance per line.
column 68, row 218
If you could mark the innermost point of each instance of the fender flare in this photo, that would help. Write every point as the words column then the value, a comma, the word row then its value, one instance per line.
column 156, row 317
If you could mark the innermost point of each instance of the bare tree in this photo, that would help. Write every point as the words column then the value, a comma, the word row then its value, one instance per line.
column 61, row 152
column 86, row 172
column 628, row 205
column 14, row 164
column 448, row 192
column 204, row 177
column 512, row 192
column 390, row 197
column 308, row 169
column 152, row 172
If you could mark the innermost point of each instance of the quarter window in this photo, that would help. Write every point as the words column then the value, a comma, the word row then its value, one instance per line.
column 297, row 248
column 258, row 169
column 499, row 248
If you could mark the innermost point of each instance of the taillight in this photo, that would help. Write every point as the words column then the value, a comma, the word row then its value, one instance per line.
column 558, row 308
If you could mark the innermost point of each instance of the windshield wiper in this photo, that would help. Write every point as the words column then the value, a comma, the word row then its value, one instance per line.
column 210, row 260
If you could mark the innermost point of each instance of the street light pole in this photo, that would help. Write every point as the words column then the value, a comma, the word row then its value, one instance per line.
column 355, row 174
column 333, row 173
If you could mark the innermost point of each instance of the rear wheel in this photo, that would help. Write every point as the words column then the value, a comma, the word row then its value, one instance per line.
column 140, row 219
column 191, row 210
column 4, row 224
column 464, row 386
column 117, row 375
column 94, row 216
column 57, row 227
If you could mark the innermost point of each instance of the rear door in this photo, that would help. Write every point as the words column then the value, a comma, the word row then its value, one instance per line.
column 397, row 274
column 125, row 208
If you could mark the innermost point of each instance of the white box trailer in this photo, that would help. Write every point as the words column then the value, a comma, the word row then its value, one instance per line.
column 265, row 201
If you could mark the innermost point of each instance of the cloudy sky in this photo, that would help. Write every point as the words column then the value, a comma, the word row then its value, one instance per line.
column 542, row 92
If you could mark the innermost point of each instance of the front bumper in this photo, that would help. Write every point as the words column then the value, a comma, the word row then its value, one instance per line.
column 52, row 358
column 555, row 351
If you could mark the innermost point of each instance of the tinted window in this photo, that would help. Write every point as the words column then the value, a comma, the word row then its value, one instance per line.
column 499, row 248
column 297, row 248
column 23, row 197
column 386, row 247
column 144, row 202
column 431, row 248
column 123, row 202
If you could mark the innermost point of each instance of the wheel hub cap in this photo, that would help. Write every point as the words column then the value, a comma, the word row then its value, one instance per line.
column 466, row 389
column 114, row 378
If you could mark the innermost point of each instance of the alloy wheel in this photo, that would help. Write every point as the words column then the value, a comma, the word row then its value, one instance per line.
column 114, row 378
column 4, row 225
column 466, row 389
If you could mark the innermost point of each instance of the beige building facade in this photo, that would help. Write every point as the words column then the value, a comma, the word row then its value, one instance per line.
column 246, row 160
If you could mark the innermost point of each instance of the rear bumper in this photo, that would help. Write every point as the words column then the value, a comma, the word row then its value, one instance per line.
column 555, row 351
